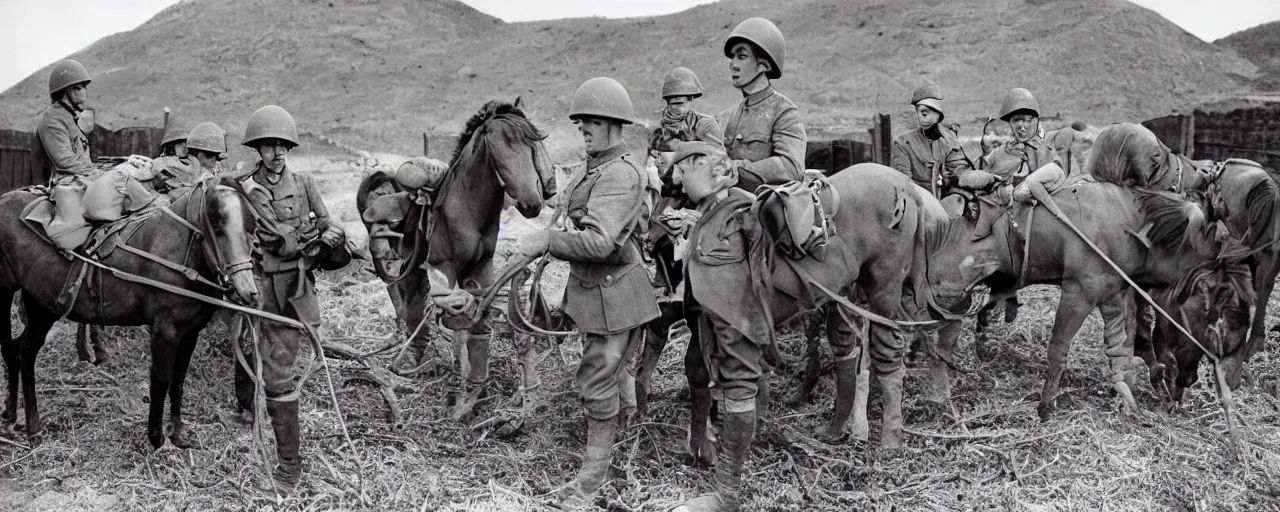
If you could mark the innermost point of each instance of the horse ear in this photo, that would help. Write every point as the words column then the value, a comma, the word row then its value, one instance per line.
column 519, row 101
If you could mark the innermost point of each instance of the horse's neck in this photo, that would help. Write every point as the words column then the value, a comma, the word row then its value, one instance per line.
column 469, row 210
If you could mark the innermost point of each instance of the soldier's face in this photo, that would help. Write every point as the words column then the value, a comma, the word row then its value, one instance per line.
column 77, row 94
column 928, row 117
column 207, row 160
column 180, row 148
column 744, row 66
column 595, row 133
column 678, row 105
column 273, row 154
column 1024, row 126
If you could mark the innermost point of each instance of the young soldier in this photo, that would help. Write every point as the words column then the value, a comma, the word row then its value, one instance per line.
column 205, row 146
column 174, row 167
column 608, row 295
column 720, row 277
column 680, row 123
column 930, row 154
column 61, row 146
column 292, row 204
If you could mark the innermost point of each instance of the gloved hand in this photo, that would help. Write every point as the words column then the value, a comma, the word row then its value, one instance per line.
column 976, row 179
column 333, row 236
column 680, row 220
column 284, row 245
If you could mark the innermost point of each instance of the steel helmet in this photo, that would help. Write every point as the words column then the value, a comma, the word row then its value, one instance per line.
column 1018, row 99
column 681, row 81
column 177, row 132
column 67, row 73
column 207, row 137
column 270, row 122
column 766, row 36
column 929, row 95
column 602, row 97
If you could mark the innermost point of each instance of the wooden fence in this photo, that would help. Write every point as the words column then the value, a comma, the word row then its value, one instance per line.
column 1252, row 133
column 833, row 155
column 17, row 168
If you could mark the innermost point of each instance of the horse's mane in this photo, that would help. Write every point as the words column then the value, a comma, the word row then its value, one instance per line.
column 1175, row 222
column 509, row 118
column 1128, row 155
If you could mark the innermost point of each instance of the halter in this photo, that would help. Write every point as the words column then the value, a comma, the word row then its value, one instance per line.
column 223, row 271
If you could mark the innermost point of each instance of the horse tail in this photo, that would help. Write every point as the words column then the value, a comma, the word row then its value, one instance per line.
column 1263, row 205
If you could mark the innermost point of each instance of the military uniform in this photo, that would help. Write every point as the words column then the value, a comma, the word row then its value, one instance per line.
column 174, row 172
column 62, row 143
column 692, row 126
column 608, row 294
column 765, row 130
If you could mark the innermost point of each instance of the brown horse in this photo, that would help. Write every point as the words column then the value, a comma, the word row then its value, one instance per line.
column 220, row 252
column 1240, row 194
column 1180, row 240
column 500, row 151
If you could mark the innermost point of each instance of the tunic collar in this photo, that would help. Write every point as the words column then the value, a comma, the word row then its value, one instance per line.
column 759, row 96
column 286, row 178
column 606, row 155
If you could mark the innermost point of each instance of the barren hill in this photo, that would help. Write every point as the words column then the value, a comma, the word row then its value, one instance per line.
column 1261, row 45
column 375, row 74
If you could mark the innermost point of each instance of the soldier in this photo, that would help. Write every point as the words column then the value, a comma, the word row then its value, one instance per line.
column 174, row 167
column 174, row 142
column 764, row 135
column 61, row 148
column 680, row 123
column 608, row 295
column 292, row 205
column 720, row 276
column 1020, row 110
column 931, row 154
column 207, row 145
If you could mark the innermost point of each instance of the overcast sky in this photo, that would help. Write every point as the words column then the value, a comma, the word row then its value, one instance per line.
column 35, row 33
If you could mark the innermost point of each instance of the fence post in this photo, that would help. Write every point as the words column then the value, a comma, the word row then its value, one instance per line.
column 1188, row 131
column 425, row 144
column 881, row 139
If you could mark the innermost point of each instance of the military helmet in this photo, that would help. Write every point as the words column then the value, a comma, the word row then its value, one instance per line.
column 67, row 73
column 766, row 36
column 177, row 132
column 270, row 122
column 929, row 95
column 681, row 81
column 209, row 137
column 602, row 97
column 1018, row 99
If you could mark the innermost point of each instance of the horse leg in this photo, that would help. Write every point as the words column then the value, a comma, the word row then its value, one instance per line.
column 939, row 373
column 1073, row 308
column 848, row 351
column 986, row 352
column 83, row 345
column 887, row 350
column 475, row 370
column 1118, row 332
column 39, row 320
column 414, row 315
column 179, row 435
column 164, row 351
column 97, row 345
column 1147, row 344
column 702, row 451
column 813, row 359
column 657, row 335
column 9, row 349
column 530, row 380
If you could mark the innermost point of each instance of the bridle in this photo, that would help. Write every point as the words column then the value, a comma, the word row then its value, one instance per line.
column 223, row 270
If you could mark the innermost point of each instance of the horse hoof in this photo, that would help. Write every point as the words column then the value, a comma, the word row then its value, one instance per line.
column 1045, row 411
column 182, row 438
column 834, row 436
column 466, row 404
column 34, row 439
column 156, row 441
column 705, row 459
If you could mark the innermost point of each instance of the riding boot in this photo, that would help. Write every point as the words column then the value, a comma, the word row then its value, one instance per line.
column 762, row 399
column 1011, row 306
column 891, row 407
column 284, row 421
column 595, row 463
column 734, row 448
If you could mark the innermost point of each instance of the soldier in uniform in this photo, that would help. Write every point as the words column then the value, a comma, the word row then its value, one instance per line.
column 608, row 295
column 299, row 222
column 174, row 142
column 174, row 167
column 931, row 154
column 207, row 145
column 61, row 146
column 680, row 123
column 719, row 274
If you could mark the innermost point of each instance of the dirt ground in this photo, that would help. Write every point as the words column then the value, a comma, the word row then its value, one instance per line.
column 991, row 453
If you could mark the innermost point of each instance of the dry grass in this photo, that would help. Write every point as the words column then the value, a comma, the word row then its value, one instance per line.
column 1087, row 457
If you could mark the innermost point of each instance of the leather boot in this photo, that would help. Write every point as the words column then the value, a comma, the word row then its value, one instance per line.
column 595, row 463
column 284, row 421
column 478, row 374
column 891, row 405
column 734, row 448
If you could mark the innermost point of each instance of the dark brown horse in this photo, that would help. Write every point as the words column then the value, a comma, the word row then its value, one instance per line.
column 1180, row 242
column 1240, row 194
column 220, row 253
column 499, row 152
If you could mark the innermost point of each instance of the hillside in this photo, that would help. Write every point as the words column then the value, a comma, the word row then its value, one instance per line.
column 1260, row 45
column 374, row 75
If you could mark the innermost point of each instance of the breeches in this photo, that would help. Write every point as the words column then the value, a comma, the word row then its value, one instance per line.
column 734, row 362
column 605, row 376
column 279, row 344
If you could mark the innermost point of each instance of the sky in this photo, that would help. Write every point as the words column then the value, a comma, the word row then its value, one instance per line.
column 35, row 33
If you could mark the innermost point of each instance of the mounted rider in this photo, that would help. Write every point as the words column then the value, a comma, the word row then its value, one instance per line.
column 207, row 146
column 300, row 233
column 608, row 295
column 62, row 149
column 930, row 155
column 174, row 167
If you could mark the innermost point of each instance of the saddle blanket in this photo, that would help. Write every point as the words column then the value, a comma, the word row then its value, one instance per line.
column 807, row 205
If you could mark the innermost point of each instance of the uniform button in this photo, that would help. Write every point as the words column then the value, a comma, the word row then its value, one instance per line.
column 608, row 280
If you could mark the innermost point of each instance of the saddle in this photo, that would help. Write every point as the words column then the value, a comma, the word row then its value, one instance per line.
column 806, row 208
column 67, row 214
column 62, row 227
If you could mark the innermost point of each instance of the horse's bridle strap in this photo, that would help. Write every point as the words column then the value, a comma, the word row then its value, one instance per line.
column 189, row 272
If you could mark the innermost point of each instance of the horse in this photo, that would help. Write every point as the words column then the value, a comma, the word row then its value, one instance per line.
column 1029, row 246
column 500, row 151
column 1243, row 196
column 209, row 230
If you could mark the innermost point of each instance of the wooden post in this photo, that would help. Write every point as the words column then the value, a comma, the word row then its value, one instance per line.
column 1188, row 132
column 425, row 144
column 885, row 142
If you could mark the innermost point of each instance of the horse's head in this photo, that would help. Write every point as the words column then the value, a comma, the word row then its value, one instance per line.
column 1130, row 155
column 228, row 222
column 501, row 137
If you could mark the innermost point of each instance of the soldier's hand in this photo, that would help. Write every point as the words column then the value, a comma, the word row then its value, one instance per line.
column 976, row 179
column 535, row 244
column 680, row 220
